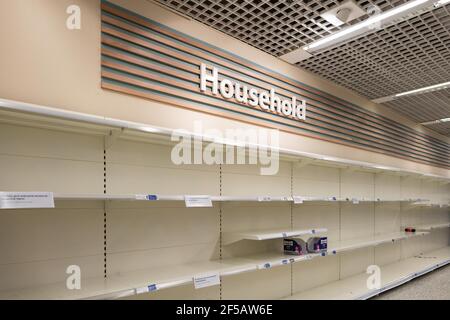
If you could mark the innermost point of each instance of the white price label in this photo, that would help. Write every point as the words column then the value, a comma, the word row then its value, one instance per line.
column 298, row 200
column 19, row 200
column 198, row 201
column 266, row 265
column 355, row 201
column 147, row 197
column 264, row 199
column 206, row 281
column 150, row 288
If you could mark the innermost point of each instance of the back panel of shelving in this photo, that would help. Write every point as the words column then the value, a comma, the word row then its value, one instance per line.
column 37, row 246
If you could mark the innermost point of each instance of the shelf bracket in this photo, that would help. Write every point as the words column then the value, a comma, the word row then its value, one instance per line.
column 303, row 163
column 229, row 238
column 400, row 174
column 381, row 172
column 409, row 177
column 112, row 137
column 350, row 169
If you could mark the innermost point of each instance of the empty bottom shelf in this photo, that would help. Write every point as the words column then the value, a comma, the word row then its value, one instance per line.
column 128, row 283
column 131, row 283
column 392, row 275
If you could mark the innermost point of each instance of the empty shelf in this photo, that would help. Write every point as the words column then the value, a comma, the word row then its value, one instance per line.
column 270, row 260
column 250, row 198
column 130, row 283
column 353, row 244
column 259, row 235
column 430, row 227
column 392, row 275
column 153, row 279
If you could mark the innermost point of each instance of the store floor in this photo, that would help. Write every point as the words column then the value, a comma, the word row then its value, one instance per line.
column 432, row 286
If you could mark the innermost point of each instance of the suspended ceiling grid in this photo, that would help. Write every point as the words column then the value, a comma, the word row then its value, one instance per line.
column 274, row 26
column 412, row 54
column 409, row 55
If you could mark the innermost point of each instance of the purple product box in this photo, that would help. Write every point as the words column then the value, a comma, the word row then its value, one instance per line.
column 294, row 247
column 317, row 244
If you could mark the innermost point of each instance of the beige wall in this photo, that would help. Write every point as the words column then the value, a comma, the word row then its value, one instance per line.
column 47, row 64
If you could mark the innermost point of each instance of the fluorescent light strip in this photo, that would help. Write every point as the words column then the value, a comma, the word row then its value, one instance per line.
column 435, row 87
column 436, row 121
column 366, row 23
column 441, row 3
column 426, row 89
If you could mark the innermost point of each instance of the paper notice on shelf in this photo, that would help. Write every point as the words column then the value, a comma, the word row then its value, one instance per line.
column 298, row 200
column 204, row 281
column 26, row 200
column 198, row 201
column 355, row 201
column 264, row 198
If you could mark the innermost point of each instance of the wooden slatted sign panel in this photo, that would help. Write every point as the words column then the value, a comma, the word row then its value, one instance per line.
column 143, row 58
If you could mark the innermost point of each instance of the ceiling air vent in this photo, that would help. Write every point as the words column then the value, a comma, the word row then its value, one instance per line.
column 344, row 13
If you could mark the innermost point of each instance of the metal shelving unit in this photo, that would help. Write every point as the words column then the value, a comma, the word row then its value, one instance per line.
column 153, row 279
